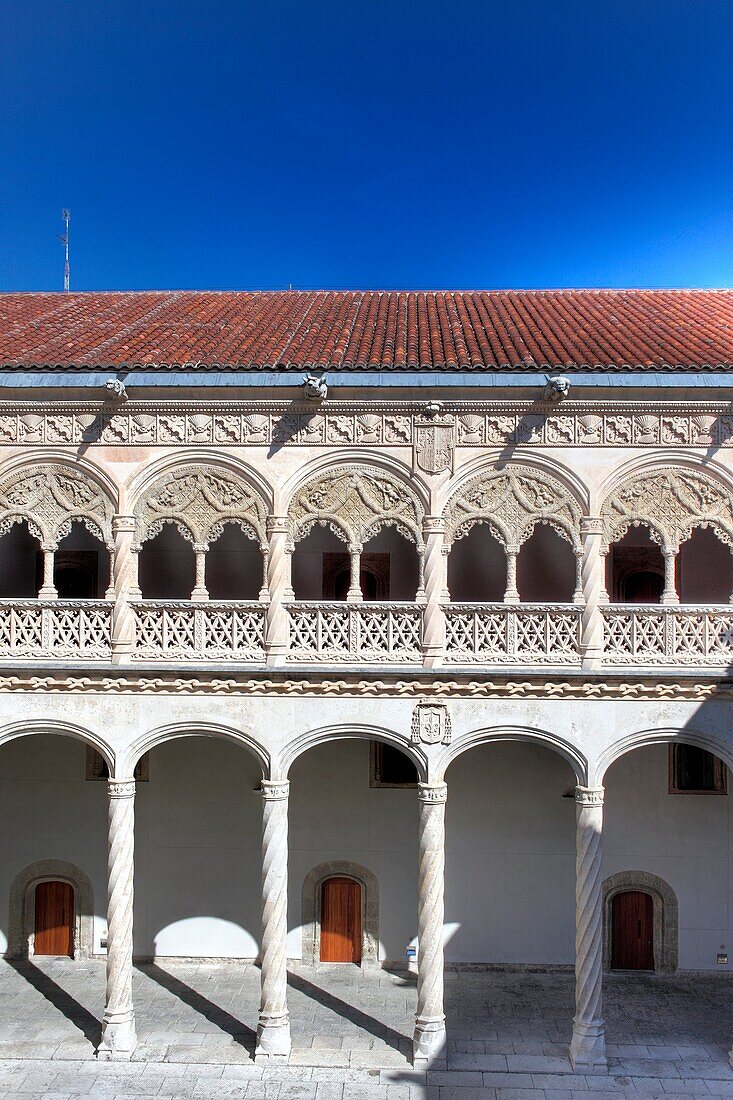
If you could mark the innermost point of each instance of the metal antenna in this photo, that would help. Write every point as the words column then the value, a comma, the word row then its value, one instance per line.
column 65, row 217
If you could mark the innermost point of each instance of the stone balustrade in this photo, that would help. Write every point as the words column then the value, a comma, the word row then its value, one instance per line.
column 320, row 632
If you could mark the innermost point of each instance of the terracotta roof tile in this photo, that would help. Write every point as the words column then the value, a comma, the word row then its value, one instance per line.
column 371, row 330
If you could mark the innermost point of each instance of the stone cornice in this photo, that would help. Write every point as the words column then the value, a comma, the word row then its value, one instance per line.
column 678, row 690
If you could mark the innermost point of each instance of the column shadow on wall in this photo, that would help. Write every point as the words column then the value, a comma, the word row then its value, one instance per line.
column 215, row 1015
column 349, row 1012
column 62, row 1001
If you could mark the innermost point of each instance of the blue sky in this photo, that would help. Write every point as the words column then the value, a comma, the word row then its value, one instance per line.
column 366, row 143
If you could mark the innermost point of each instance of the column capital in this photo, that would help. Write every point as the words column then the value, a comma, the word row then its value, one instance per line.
column 589, row 796
column 277, row 525
column 432, row 792
column 591, row 525
column 121, row 788
column 433, row 525
column 122, row 524
column 274, row 790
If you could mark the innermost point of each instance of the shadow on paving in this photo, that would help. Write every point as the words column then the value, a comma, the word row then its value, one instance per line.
column 349, row 1012
column 215, row 1015
column 74, row 1012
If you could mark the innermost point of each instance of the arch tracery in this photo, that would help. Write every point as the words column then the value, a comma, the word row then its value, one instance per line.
column 199, row 502
column 512, row 502
column 356, row 503
column 49, row 498
column 670, row 502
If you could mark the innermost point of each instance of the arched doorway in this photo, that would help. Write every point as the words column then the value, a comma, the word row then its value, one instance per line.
column 632, row 930
column 54, row 918
column 341, row 904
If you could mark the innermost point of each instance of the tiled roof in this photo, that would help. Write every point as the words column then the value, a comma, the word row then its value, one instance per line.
column 371, row 330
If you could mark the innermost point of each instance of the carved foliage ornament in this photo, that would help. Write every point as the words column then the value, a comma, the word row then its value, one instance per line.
column 512, row 502
column 356, row 503
column 50, row 498
column 199, row 501
column 670, row 503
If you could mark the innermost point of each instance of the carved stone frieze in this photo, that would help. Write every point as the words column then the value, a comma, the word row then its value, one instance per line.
column 199, row 501
column 356, row 502
column 670, row 502
column 50, row 498
column 474, row 424
column 512, row 502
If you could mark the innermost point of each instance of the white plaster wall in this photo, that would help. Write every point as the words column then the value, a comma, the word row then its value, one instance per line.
column 509, row 847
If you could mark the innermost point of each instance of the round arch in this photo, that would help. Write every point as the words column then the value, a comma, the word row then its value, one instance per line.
column 175, row 730
column 54, row 456
column 22, row 913
column 310, row 909
column 531, row 736
column 14, row 730
column 664, row 457
column 495, row 461
column 666, row 916
column 305, row 741
column 663, row 736
column 52, row 493
column 188, row 457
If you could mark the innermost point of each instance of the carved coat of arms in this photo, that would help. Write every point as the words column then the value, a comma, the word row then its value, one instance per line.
column 433, row 445
column 431, row 724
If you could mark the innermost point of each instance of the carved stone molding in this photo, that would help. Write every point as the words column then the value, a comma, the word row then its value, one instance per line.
column 199, row 501
column 674, row 691
column 376, row 423
column 50, row 498
column 589, row 796
column 670, row 502
column 512, row 502
column 356, row 503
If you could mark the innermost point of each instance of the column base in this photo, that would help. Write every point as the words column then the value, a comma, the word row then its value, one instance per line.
column 429, row 1044
column 273, row 1040
column 118, row 1038
column 588, row 1048
column 47, row 594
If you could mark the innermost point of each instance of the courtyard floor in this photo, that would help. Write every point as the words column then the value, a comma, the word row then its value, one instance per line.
column 508, row 1035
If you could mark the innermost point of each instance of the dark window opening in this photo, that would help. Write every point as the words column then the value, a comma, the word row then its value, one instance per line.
column 373, row 576
column 390, row 767
column 693, row 770
column 643, row 586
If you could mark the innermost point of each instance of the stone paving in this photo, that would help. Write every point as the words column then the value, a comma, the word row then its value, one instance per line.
column 508, row 1035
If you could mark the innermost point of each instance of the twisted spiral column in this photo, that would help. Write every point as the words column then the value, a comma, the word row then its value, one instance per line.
column 593, row 585
column 433, row 628
column 118, row 1024
column 273, row 1028
column 279, row 560
column 429, row 1037
column 588, row 1044
column 124, row 585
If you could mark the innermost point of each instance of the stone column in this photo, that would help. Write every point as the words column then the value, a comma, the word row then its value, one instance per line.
column 279, row 562
column 200, row 591
column 593, row 583
column 273, row 1028
column 429, row 1038
column 511, row 595
column 588, row 1044
column 264, row 593
column 433, row 624
column 118, row 1024
column 124, row 585
column 47, row 591
column 354, row 594
column 669, row 595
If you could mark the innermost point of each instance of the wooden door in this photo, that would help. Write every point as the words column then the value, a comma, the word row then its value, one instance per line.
column 341, row 920
column 54, row 919
column 632, row 931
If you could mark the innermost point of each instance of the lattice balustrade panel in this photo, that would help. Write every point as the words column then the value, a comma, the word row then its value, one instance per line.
column 21, row 629
column 513, row 634
column 354, row 632
column 55, row 629
column 668, row 635
column 233, row 631
column 202, row 631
